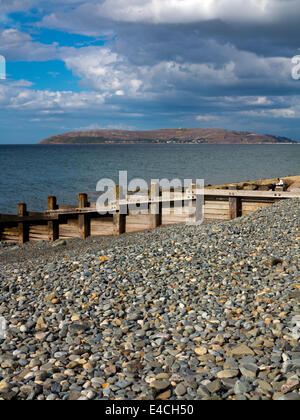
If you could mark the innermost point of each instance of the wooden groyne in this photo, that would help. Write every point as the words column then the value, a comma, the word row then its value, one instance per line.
column 83, row 220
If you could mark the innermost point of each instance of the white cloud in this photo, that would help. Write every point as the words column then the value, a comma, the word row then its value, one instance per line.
column 9, row 6
column 103, row 70
column 104, row 127
column 113, row 74
column 17, row 45
column 259, row 101
column 206, row 117
column 47, row 102
column 272, row 113
column 188, row 11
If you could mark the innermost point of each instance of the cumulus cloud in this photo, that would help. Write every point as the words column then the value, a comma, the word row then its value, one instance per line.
column 9, row 6
column 45, row 102
column 103, row 70
column 178, row 59
column 190, row 11
column 272, row 113
column 113, row 73
column 17, row 45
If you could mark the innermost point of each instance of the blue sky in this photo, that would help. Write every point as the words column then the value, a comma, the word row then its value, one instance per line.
column 147, row 64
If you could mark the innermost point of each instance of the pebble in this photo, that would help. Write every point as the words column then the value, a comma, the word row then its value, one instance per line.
column 180, row 390
column 180, row 312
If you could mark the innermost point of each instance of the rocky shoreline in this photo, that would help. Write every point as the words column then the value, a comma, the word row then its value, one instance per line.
column 178, row 313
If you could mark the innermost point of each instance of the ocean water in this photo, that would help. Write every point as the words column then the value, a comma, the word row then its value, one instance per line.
column 31, row 173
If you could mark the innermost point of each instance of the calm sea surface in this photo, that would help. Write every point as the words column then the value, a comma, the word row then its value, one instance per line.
column 31, row 173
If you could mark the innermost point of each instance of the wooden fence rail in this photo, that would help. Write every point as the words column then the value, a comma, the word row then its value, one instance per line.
column 83, row 220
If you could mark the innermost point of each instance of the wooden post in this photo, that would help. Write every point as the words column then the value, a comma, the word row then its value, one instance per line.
column 155, row 209
column 1, row 228
column 84, row 224
column 119, row 218
column 234, row 207
column 82, row 200
column 200, row 206
column 191, row 215
column 119, row 221
column 23, row 227
column 53, row 226
column 52, row 203
column 116, row 192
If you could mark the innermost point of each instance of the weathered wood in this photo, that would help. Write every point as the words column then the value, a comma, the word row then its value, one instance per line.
column 199, row 208
column 216, row 211
column 53, row 231
column 250, row 207
column 84, row 225
column 155, row 209
column 119, row 222
column 68, row 231
column 38, row 232
column 102, row 226
column 10, row 234
column 72, row 221
column 234, row 207
column 23, row 227
column 53, row 225
column 52, row 203
column 217, row 205
column 83, row 200
column 216, row 217
column 250, row 194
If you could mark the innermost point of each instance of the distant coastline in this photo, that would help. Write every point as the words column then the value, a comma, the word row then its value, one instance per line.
column 165, row 136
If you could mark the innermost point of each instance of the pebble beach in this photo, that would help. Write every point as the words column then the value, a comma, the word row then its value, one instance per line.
column 181, row 312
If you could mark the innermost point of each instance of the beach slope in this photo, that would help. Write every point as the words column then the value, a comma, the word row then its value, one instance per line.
column 208, row 312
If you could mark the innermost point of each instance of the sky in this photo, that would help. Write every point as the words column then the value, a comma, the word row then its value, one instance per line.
column 148, row 64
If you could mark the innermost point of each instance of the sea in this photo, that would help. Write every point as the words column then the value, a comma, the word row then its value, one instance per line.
column 31, row 173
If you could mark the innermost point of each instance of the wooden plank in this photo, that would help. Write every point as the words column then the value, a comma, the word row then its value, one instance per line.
column 102, row 226
column 28, row 219
column 136, row 223
column 168, row 219
column 10, row 234
column 217, row 206
column 66, row 207
column 23, row 227
column 216, row 217
column 38, row 233
column 220, row 212
column 254, row 205
column 250, row 194
column 250, row 210
column 12, row 231
column 67, row 231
